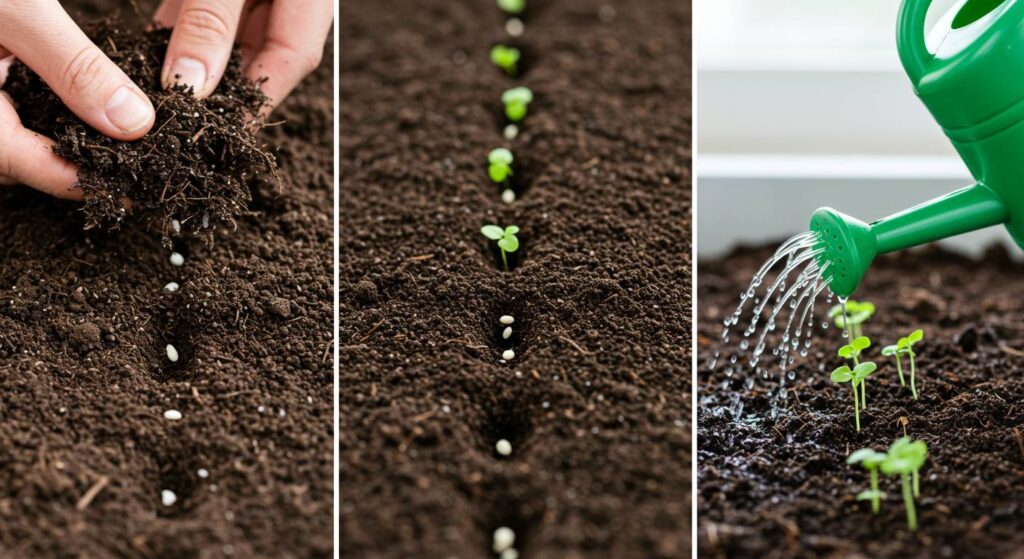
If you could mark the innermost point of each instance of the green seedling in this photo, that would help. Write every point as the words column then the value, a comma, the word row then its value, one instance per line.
column 512, row 6
column 857, row 313
column 905, row 346
column 499, row 165
column 516, row 101
column 855, row 377
column 506, row 58
column 853, row 351
column 871, row 460
column 506, row 239
column 905, row 459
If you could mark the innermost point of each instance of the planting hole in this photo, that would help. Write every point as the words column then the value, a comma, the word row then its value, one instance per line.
column 509, row 421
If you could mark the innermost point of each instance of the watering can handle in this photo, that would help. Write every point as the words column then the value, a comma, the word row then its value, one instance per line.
column 910, row 37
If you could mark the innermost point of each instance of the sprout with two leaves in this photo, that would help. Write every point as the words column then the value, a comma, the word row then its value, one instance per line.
column 853, row 351
column 506, row 58
column 905, row 346
column 870, row 460
column 905, row 459
column 499, row 165
column 506, row 239
column 857, row 313
column 855, row 377
column 516, row 100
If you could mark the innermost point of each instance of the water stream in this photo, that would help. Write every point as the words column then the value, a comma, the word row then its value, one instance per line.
column 785, row 304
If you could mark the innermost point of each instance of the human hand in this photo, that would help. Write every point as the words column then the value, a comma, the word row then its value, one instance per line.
column 281, row 40
column 42, row 35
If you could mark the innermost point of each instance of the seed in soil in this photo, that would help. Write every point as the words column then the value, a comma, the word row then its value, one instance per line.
column 499, row 165
column 168, row 498
column 172, row 353
column 506, row 333
column 172, row 415
column 905, row 459
column 503, row 447
column 506, row 319
column 176, row 226
column 870, row 460
column 516, row 101
column 508, row 355
column 510, row 132
column 514, row 27
column 508, row 196
column 506, row 58
column 203, row 473
column 506, row 239
column 512, row 6
column 509, row 553
column 172, row 287
column 177, row 259
column 504, row 538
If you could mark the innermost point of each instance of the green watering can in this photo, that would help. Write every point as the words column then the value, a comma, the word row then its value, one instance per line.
column 974, row 87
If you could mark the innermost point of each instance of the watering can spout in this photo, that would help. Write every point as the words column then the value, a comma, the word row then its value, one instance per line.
column 850, row 245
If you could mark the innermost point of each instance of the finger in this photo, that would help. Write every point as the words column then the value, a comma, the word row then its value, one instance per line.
column 294, row 45
column 253, row 32
column 167, row 13
column 204, row 32
column 28, row 158
column 45, row 38
column 5, row 65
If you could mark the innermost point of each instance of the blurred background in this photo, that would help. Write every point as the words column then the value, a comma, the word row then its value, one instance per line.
column 802, row 104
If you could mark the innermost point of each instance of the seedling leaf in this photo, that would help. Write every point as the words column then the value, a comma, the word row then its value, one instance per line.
column 842, row 374
column 890, row 350
column 861, row 343
column 870, row 495
column 505, row 58
column 512, row 6
column 915, row 336
column 846, row 351
column 509, row 244
column 492, row 232
column 500, row 155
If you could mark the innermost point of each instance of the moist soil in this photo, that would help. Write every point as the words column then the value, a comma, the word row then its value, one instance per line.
column 85, row 449
column 781, row 487
column 193, row 167
column 596, row 402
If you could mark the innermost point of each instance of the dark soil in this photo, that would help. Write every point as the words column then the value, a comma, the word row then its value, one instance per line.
column 85, row 450
column 193, row 167
column 781, row 488
column 596, row 402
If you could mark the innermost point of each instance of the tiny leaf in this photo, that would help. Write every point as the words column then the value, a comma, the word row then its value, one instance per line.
column 492, row 232
column 509, row 244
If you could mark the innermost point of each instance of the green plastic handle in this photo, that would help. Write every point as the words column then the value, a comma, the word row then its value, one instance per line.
column 910, row 38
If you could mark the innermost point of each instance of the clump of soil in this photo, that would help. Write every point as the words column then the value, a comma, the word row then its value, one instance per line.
column 193, row 166
column 780, row 486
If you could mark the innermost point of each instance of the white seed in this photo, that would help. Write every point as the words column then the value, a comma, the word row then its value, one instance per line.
column 504, row 538
column 172, row 415
column 509, row 553
column 508, row 196
column 172, row 353
column 508, row 355
column 168, row 498
column 504, row 448
column 506, row 319
column 172, row 287
column 514, row 26
column 510, row 132
column 506, row 333
column 176, row 226
column 177, row 259
column 203, row 473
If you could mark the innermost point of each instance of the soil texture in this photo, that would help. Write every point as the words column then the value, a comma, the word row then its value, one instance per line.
column 85, row 447
column 193, row 167
column 596, row 401
column 780, row 487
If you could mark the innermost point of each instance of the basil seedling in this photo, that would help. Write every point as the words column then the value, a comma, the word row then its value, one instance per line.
column 499, row 165
column 506, row 239
column 857, row 313
column 905, row 459
column 516, row 101
column 870, row 460
column 506, row 58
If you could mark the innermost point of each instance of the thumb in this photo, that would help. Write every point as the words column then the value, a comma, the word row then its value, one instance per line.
column 45, row 38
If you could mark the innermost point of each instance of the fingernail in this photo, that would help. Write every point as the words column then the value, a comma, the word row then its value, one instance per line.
column 127, row 110
column 188, row 71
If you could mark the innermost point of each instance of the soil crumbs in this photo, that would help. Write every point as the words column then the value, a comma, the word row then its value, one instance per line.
column 85, row 448
column 596, row 402
column 193, row 167
column 781, row 487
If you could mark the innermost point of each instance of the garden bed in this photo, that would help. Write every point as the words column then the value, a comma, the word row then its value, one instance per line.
column 87, row 446
column 781, row 487
column 596, row 401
